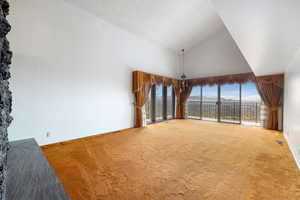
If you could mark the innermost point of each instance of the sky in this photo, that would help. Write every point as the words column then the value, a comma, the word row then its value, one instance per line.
column 159, row 90
column 249, row 92
column 228, row 91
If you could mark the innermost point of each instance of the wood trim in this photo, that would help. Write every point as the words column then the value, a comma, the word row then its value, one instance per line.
column 140, row 79
column 221, row 80
column 276, row 79
column 160, row 76
column 271, row 75
column 66, row 142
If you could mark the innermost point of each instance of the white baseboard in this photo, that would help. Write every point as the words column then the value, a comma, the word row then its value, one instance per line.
column 292, row 150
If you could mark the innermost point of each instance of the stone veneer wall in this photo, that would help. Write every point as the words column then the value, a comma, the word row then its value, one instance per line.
column 5, row 95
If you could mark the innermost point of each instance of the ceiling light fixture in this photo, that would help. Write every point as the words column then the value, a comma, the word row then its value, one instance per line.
column 183, row 76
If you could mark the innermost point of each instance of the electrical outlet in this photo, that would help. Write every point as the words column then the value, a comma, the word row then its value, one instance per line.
column 48, row 134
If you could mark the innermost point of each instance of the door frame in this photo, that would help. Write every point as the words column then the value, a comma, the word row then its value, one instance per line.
column 219, row 104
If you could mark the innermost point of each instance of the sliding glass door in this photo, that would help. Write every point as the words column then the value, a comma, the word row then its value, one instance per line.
column 252, row 107
column 203, row 103
column 170, row 102
column 160, row 104
column 209, row 103
column 193, row 105
column 148, row 108
column 230, row 103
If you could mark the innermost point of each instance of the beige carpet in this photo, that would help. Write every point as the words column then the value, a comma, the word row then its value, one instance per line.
column 179, row 159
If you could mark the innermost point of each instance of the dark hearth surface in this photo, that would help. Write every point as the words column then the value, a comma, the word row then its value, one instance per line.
column 30, row 177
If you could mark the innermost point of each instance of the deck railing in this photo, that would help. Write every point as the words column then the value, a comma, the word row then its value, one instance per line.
column 230, row 111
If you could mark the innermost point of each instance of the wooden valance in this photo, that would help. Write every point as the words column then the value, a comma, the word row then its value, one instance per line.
column 222, row 80
column 140, row 79
column 277, row 80
column 142, row 83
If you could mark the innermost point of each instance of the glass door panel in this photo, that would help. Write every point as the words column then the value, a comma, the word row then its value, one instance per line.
column 170, row 103
column 209, row 104
column 159, row 103
column 148, row 108
column 251, row 105
column 193, row 104
column 230, row 103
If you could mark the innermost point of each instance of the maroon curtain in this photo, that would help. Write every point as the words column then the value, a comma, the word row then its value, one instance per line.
column 141, row 90
column 142, row 83
column 177, row 96
column 270, row 89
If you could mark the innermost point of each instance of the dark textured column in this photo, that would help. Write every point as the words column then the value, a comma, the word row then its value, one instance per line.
column 5, row 95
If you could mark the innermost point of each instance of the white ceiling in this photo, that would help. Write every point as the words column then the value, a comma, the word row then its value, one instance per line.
column 174, row 24
column 266, row 31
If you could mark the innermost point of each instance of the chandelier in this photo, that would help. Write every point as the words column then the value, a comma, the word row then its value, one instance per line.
column 184, row 83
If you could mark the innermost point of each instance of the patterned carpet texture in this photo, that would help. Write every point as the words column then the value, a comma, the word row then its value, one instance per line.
column 176, row 160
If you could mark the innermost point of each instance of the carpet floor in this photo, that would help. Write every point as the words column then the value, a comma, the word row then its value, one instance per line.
column 176, row 160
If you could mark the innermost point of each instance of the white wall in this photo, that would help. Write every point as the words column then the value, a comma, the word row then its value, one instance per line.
column 292, row 108
column 218, row 55
column 266, row 31
column 71, row 71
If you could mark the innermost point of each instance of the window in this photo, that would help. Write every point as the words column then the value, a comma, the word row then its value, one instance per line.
column 170, row 102
column 148, row 108
column 209, row 104
column 161, row 104
column 251, row 105
column 232, row 103
column 230, row 98
column 194, row 103
column 202, row 103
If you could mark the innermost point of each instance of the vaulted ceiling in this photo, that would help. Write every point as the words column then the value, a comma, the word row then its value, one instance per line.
column 174, row 24
column 265, row 31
